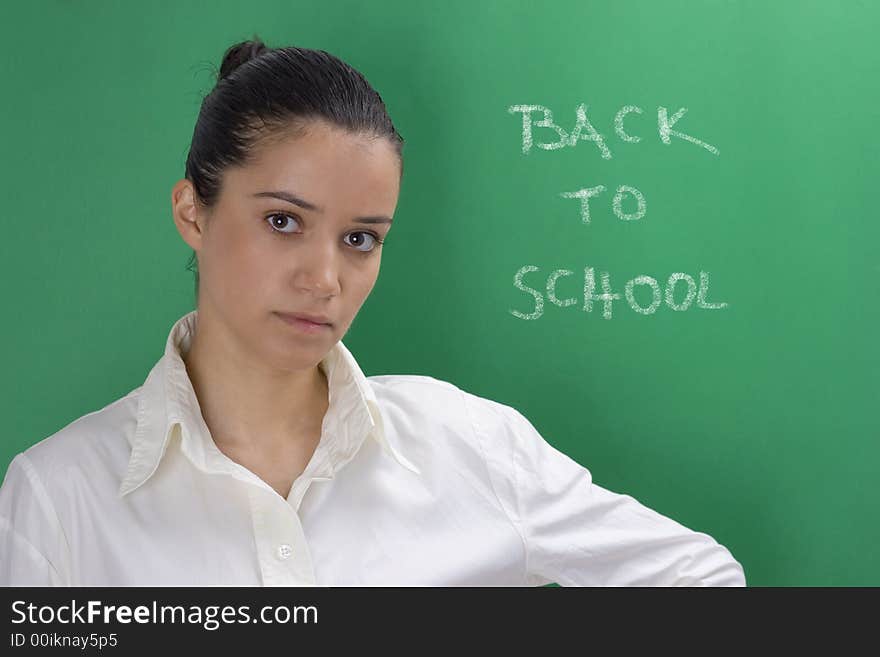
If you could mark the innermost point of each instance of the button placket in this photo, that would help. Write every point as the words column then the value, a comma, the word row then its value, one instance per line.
column 279, row 536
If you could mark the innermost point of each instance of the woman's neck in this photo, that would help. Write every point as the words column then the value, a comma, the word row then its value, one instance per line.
column 247, row 406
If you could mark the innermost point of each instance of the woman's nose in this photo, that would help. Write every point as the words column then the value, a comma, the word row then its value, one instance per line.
column 317, row 272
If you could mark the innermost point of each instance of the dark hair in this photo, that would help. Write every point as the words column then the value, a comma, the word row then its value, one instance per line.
column 262, row 92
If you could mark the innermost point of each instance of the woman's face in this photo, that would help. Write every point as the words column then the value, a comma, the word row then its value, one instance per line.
column 259, row 255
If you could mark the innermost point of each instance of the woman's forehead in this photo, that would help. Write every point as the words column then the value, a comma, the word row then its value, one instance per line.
column 321, row 151
column 326, row 167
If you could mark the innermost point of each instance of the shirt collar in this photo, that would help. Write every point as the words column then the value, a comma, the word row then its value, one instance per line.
column 167, row 402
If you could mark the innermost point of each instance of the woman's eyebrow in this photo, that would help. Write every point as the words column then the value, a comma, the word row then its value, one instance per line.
column 296, row 200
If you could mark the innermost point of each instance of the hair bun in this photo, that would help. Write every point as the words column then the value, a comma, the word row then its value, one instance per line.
column 240, row 53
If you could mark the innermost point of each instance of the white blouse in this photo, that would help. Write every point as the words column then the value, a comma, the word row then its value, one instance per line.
column 414, row 482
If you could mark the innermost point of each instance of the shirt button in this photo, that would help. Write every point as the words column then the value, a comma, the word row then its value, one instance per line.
column 284, row 551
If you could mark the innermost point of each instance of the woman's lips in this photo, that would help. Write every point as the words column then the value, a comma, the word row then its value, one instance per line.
column 303, row 324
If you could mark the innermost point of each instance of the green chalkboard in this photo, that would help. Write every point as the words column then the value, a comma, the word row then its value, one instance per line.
column 650, row 227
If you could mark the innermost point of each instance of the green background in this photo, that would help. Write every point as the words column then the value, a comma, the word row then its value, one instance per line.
column 755, row 423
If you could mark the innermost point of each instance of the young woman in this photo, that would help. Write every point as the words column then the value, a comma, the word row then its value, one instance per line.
column 256, row 452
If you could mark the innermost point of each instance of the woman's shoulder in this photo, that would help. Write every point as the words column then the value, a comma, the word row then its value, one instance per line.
column 411, row 381
column 98, row 437
column 434, row 396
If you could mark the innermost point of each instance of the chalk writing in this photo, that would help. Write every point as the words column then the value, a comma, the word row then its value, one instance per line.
column 583, row 125
column 608, row 296
column 617, row 204
column 584, row 130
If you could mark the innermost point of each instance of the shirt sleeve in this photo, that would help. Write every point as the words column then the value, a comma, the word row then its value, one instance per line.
column 32, row 544
column 577, row 533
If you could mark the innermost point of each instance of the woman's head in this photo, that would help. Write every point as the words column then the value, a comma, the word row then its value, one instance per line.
column 293, row 164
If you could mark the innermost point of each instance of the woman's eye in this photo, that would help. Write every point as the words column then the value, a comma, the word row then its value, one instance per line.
column 371, row 242
column 281, row 223
column 278, row 221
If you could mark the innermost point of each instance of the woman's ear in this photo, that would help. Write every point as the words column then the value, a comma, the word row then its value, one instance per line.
column 185, row 211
